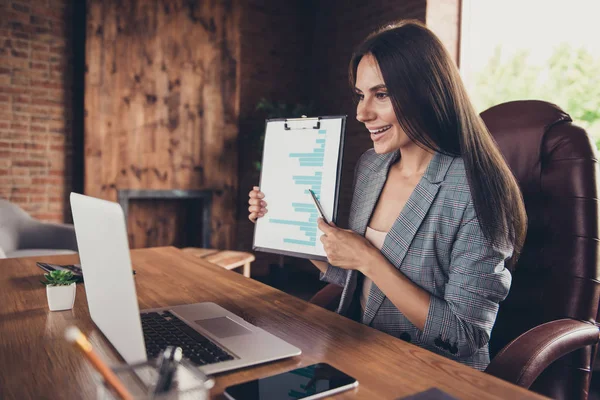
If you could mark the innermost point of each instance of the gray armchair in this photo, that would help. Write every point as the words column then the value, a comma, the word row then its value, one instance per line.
column 23, row 236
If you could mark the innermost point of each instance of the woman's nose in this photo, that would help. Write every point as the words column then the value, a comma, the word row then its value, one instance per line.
column 364, row 112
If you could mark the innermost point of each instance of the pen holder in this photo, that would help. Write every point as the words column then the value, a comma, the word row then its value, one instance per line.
column 140, row 380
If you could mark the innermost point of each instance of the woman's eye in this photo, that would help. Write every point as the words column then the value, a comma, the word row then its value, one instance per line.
column 381, row 96
column 359, row 96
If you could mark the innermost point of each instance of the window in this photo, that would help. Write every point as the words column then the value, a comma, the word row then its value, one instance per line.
column 534, row 49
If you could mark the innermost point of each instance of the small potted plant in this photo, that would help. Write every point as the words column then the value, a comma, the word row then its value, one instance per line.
column 60, row 289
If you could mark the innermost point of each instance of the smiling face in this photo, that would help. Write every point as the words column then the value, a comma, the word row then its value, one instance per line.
column 375, row 108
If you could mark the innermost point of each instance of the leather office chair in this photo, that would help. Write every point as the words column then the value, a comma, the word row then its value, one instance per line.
column 545, row 337
column 23, row 236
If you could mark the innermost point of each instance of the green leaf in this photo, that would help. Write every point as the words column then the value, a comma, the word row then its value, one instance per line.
column 59, row 278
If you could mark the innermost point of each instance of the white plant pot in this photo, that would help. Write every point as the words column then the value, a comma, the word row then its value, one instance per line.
column 60, row 297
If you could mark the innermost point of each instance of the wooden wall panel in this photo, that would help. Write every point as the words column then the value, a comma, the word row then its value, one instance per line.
column 162, row 106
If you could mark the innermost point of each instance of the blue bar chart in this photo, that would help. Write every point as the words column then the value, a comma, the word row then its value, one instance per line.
column 316, row 157
column 307, row 226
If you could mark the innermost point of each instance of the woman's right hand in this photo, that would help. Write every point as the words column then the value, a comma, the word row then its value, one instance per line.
column 257, row 203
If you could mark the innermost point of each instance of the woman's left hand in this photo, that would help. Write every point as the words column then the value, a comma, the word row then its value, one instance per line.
column 345, row 248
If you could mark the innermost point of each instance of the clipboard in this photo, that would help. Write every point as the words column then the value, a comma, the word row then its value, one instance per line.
column 299, row 154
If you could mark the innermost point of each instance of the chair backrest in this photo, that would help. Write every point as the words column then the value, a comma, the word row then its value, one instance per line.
column 557, row 274
column 12, row 217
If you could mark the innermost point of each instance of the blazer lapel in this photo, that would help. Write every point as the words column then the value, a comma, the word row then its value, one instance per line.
column 367, row 191
column 399, row 238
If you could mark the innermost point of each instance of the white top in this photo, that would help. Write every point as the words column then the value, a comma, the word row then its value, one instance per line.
column 376, row 238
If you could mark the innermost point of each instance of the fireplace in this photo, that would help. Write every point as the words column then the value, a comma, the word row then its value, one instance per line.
column 180, row 218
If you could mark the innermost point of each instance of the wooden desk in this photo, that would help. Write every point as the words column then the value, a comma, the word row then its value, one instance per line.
column 36, row 363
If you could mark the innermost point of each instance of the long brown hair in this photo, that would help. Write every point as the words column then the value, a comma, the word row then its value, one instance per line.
column 433, row 108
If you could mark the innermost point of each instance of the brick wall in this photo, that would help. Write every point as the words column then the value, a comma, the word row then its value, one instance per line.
column 35, row 105
column 275, row 54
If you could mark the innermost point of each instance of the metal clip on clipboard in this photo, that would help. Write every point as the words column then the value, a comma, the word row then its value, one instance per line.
column 302, row 123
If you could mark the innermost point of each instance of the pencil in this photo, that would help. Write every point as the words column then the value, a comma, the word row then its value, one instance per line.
column 74, row 335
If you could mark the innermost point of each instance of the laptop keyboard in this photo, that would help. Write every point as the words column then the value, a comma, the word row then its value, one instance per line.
column 165, row 329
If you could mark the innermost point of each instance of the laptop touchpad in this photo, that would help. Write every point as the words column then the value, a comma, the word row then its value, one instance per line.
column 223, row 327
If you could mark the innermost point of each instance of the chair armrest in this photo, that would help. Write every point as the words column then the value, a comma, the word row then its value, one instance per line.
column 328, row 297
column 47, row 235
column 525, row 358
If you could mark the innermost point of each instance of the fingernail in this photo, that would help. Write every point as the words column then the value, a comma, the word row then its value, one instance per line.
column 262, row 210
column 255, row 188
column 260, row 196
column 266, row 211
column 263, row 203
column 260, row 214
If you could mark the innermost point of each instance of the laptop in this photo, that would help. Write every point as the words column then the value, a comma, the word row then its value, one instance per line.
column 211, row 337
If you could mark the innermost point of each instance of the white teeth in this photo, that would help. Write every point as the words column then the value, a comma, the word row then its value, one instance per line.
column 385, row 128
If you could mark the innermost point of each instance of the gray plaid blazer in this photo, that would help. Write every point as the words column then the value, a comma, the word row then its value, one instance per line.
column 438, row 244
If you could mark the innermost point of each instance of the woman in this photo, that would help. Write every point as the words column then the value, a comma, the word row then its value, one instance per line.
column 436, row 215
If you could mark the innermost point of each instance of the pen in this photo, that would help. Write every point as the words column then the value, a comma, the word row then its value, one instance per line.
column 74, row 335
column 321, row 212
column 171, row 357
